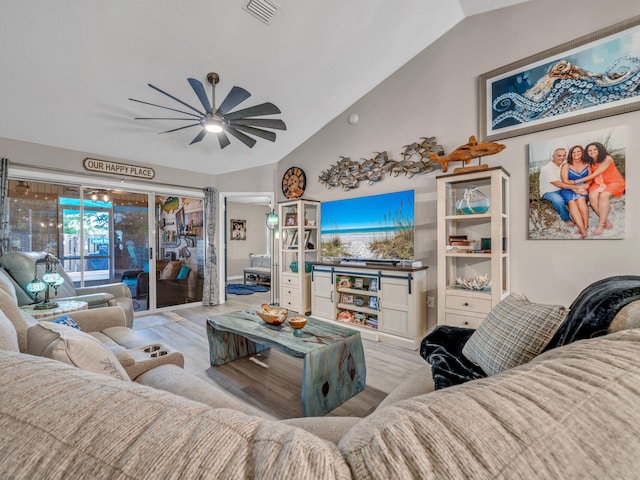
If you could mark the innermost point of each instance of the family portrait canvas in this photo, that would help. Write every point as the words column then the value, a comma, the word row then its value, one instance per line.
column 594, row 76
column 577, row 187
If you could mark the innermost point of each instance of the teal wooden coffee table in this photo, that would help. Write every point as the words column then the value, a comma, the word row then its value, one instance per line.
column 334, row 366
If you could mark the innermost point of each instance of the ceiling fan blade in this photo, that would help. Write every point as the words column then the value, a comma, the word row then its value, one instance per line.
column 257, row 132
column 181, row 128
column 262, row 109
column 166, row 108
column 176, row 99
column 161, row 118
column 246, row 139
column 235, row 97
column 223, row 140
column 202, row 95
column 260, row 122
column 199, row 137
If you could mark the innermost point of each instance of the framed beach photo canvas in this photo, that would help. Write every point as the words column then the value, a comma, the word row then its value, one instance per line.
column 594, row 76
column 575, row 206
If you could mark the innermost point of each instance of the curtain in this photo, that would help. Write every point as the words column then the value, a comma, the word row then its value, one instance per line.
column 210, row 293
column 4, row 202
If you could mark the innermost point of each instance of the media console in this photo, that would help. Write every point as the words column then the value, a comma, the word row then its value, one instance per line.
column 384, row 303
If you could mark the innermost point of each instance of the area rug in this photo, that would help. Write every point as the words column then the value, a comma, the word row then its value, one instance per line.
column 240, row 289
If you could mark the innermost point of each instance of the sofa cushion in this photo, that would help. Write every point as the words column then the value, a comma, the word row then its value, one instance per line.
column 514, row 332
column 570, row 413
column 72, row 346
column 8, row 335
column 20, row 319
column 69, row 423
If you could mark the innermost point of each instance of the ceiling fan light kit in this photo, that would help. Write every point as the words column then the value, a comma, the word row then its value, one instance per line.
column 239, row 123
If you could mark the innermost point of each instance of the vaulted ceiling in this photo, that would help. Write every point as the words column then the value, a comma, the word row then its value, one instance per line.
column 69, row 67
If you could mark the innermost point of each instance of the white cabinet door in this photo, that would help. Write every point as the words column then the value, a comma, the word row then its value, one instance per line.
column 322, row 294
column 395, row 306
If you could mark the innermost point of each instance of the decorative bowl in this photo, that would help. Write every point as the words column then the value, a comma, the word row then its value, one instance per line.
column 297, row 323
column 274, row 316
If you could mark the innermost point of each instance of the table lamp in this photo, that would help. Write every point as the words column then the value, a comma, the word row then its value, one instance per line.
column 50, row 278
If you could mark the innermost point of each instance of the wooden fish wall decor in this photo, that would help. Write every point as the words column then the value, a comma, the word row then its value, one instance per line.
column 349, row 174
column 467, row 152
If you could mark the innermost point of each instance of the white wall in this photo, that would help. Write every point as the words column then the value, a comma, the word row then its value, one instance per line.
column 65, row 161
column 435, row 94
column 257, row 236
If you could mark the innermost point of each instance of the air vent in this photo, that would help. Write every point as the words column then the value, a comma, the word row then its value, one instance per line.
column 262, row 10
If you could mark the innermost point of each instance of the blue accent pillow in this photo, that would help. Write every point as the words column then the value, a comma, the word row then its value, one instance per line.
column 64, row 320
column 183, row 273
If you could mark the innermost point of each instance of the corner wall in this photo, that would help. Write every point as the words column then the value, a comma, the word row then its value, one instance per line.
column 435, row 94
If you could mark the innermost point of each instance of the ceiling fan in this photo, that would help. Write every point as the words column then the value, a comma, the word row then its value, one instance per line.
column 222, row 120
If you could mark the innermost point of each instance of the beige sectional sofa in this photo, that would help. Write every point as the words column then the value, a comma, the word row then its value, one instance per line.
column 570, row 413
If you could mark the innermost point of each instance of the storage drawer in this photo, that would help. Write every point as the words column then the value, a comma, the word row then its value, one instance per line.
column 289, row 279
column 290, row 303
column 459, row 320
column 289, row 291
column 468, row 304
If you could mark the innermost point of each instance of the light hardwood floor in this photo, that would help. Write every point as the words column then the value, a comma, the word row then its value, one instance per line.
column 270, row 381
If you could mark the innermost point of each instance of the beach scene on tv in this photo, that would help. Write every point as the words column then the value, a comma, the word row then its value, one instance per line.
column 371, row 227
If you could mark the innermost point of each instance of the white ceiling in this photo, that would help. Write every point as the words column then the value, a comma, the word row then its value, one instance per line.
column 69, row 67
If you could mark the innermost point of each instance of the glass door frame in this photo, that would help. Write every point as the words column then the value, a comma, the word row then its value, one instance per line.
column 151, row 189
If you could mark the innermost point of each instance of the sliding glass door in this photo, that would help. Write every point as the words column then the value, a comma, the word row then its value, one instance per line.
column 180, row 262
column 105, row 235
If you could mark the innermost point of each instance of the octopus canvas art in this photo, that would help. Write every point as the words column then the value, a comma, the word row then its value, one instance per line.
column 568, row 88
column 564, row 85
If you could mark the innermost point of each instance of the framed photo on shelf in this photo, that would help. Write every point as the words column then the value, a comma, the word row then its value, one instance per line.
column 591, row 77
column 373, row 285
column 346, row 298
column 358, row 282
column 373, row 303
column 307, row 234
column 290, row 219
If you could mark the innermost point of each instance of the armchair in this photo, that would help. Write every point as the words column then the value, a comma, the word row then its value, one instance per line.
column 21, row 267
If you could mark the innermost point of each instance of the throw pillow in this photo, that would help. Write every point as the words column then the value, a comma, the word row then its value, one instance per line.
column 183, row 273
column 68, row 345
column 64, row 320
column 514, row 332
column 8, row 334
column 170, row 270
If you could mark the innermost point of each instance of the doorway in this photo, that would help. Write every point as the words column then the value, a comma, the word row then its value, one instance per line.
column 250, row 207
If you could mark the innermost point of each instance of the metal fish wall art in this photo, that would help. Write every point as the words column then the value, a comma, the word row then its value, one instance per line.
column 349, row 174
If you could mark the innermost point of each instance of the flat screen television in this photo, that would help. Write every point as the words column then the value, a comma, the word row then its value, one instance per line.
column 373, row 227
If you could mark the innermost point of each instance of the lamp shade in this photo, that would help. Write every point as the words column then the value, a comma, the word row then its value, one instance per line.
column 272, row 220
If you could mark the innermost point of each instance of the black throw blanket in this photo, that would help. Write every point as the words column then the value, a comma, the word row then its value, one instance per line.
column 590, row 315
column 442, row 348
column 594, row 309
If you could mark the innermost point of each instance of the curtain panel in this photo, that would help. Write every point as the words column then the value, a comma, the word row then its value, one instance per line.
column 210, row 293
